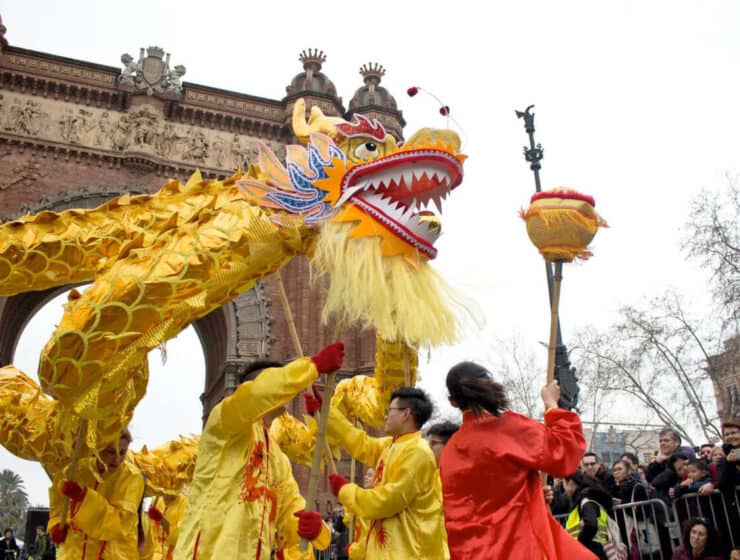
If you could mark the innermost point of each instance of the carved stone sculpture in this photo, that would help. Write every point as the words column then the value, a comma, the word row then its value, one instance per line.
column 152, row 72
column 197, row 147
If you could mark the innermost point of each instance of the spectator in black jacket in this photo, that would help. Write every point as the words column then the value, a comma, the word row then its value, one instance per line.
column 668, row 441
column 674, row 473
column 624, row 482
column 9, row 549
column 340, row 538
column 593, row 467
column 728, row 471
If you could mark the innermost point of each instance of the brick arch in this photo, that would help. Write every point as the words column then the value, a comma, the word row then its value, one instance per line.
column 230, row 336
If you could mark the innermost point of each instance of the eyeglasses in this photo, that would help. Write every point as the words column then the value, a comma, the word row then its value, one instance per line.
column 395, row 408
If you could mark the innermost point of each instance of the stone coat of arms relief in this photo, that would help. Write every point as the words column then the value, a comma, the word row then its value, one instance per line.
column 152, row 72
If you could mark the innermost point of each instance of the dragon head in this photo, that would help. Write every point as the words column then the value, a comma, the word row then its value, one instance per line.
column 354, row 172
column 374, row 204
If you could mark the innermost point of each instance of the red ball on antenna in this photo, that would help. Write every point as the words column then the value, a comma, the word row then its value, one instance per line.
column 444, row 110
column 412, row 91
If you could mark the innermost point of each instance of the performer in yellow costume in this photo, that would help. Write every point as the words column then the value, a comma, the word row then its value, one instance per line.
column 361, row 397
column 103, row 514
column 404, row 506
column 243, row 501
column 162, row 526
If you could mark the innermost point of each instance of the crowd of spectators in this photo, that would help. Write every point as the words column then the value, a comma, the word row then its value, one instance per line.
column 697, row 485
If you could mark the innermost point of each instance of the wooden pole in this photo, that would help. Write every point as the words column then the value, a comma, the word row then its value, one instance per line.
column 299, row 351
column 289, row 315
column 352, row 477
column 321, row 443
column 313, row 481
column 554, row 308
column 72, row 471
column 552, row 345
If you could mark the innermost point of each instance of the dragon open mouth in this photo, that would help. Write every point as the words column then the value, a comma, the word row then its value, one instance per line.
column 400, row 191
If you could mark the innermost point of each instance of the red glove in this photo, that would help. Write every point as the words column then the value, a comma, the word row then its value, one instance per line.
column 154, row 514
column 73, row 491
column 330, row 358
column 313, row 402
column 58, row 534
column 336, row 481
column 280, row 555
column 346, row 549
column 309, row 524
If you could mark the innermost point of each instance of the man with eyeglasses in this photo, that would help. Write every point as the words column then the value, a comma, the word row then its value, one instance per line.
column 404, row 506
column 592, row 467
column 590, row 464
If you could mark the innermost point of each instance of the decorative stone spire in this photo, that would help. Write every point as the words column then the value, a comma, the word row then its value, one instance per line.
column 312, row 60
column 3, row 40
column 371, row 73
column 376, row 102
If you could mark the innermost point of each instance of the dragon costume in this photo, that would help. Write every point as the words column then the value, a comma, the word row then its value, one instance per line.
column 352, row 200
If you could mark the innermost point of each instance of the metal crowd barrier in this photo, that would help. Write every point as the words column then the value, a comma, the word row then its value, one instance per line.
column 642, row 525
column 655, row 530
column 648, row 526
column 714, row 509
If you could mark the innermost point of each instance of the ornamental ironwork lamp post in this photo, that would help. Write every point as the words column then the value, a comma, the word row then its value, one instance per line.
column 565, row 374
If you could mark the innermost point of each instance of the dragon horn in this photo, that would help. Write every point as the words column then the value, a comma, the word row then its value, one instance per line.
column 317, row 122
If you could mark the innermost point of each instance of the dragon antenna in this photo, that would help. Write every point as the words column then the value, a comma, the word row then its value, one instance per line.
column 444, row 110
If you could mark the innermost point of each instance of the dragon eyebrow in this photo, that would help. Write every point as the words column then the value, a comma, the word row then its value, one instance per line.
column 362, row 126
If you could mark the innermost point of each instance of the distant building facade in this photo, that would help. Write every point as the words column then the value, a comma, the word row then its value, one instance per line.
column 724, row 370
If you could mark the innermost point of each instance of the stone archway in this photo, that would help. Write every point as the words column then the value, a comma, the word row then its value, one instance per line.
column 230, row 336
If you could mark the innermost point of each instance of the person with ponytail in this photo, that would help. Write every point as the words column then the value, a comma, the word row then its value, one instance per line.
column 490, row 469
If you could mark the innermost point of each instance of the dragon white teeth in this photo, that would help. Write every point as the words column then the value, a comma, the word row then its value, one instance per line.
column 408, row 177
column 438, row 203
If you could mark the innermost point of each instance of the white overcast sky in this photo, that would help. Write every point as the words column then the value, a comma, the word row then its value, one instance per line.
column 636, row 104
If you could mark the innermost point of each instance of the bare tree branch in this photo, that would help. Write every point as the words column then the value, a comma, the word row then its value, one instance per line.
column 712, row 236
column 657, row 356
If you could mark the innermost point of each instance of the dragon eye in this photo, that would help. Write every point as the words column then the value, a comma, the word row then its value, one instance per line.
column 367, row 150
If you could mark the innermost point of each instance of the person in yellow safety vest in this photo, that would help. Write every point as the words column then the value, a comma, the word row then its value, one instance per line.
column 404, row 506
column 587, row 521
column 243, row 501
column 162, row 526
column 102, row 521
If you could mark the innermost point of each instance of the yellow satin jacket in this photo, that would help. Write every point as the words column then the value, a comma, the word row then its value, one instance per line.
column 243, row 495
column 160, row 542
column 403, row 509
column 357, row 546
column 104, row 524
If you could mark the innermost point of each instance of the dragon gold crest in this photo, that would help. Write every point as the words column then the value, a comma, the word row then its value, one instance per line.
column 356, row 203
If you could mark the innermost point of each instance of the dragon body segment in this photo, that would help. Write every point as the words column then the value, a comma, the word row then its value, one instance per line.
column 351, row 200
